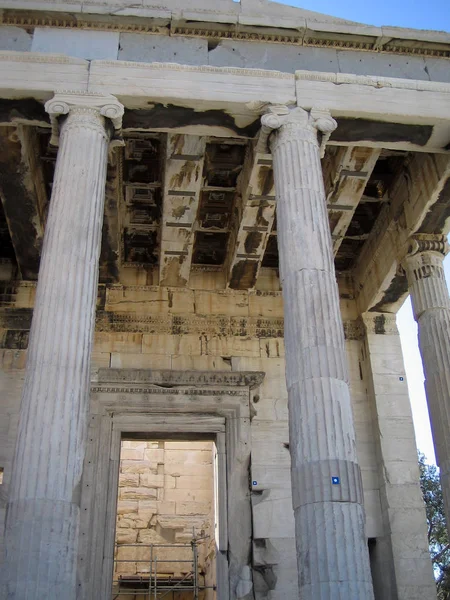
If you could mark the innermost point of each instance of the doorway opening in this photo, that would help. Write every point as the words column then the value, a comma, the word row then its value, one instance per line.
column 166, row 519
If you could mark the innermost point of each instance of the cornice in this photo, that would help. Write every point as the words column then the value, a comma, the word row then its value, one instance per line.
column 209, row 25
column 321, row 42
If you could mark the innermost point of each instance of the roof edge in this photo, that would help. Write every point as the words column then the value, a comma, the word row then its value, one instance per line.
column 300, row 31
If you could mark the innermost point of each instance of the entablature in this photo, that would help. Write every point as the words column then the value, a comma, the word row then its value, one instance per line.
column 245, row 20
column 192, row 184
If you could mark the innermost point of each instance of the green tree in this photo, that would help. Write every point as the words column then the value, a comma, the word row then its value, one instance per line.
column 437, row 531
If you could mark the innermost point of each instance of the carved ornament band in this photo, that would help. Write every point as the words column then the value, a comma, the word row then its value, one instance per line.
column 379, row 323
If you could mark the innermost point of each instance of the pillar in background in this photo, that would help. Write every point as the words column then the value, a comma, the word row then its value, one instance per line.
column 401, row 565
column 43, row 511
column 431, row 307
column 332, row 552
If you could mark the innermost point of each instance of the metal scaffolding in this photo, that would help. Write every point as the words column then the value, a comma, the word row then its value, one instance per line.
column 150, row 586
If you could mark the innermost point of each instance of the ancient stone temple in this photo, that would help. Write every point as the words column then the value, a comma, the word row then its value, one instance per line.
column 210, row 213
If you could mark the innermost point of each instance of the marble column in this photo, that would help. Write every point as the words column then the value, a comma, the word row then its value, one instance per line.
column 332, row 552
column 43, row 512
column 431, row 307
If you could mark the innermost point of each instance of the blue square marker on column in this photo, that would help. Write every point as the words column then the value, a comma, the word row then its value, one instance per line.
column 335, row 480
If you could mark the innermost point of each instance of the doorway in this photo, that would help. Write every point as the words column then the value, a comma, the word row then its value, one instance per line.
column 165, row 541
column 167, row 406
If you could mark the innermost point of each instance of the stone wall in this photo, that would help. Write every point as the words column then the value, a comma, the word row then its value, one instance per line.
column 165, row 497
column 209, row 328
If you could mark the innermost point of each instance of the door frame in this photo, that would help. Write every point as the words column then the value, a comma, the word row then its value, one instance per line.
column 125, row 401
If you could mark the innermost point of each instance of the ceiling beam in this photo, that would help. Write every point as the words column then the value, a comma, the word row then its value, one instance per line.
column 23, row 195
column 353, row 168
column 254, row 216
column 183, row 180
column 420, row 185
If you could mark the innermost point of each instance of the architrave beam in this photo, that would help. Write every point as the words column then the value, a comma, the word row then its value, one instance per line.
column 239, row 95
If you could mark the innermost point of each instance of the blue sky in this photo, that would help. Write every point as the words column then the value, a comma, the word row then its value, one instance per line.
column 417, row 14
column 431, row 14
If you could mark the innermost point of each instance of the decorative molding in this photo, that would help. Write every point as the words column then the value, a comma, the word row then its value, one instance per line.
column 176, row 378
column 207, row 268
column 35, row 57
column 339, row 43
column 354, row 329
column 236, row 34
column 256, row 327
column 379, row 323
column 19, row 283
column 157, row 66
column 312, row 33
column 96, row 389
column 373, row 81
column 119, row 289
column 221, row 326
column 424, row 51
column 66, row 22
column 17, row 319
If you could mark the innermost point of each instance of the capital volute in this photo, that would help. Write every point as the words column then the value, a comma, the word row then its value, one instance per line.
column 316, row 120
column 420, row 243
column 424, row 256
column 63, row 103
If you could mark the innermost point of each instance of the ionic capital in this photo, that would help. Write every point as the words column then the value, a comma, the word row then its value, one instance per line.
column 423, row 242
column 423, row 265
column 89, row 107
column 425, row 256
column 292, row 121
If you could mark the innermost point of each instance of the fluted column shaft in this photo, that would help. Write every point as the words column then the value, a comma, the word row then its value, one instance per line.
column 431, row 306
column 331, row 543
column 44, row 502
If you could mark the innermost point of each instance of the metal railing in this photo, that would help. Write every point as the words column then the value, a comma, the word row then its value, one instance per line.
column 150, row 585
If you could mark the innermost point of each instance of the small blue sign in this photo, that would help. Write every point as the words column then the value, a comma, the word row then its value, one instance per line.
column 335, row 480
column 254, row 482
column 401, row 378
